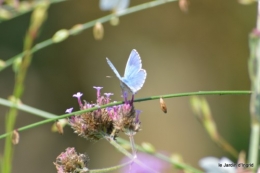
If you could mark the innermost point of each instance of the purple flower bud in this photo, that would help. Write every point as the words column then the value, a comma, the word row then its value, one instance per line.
column 115, row 112
column 137, row 114
column 78, row 95
column 108, row 94
column 108, row 97
column 127, row 107
column 125, row 96
column 69, row 110
column 72, row 119
column 98, row 90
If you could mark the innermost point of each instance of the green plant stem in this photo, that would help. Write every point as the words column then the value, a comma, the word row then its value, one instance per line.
column 254, row 144
column 121, row 102
column 110, row 168
column 195, row 93
column 87, row 25
column 125, row 152
column 26, row 108
column 254, row 74
column 162, row 157
column 35, row 24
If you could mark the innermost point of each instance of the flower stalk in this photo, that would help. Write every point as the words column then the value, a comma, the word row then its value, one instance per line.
column 37, row 19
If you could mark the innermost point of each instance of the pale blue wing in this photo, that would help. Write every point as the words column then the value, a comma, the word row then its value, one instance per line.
column 113, row 68
column 136, row 82
column 133, row 65
column 122, row 4
column 134, row 76
column 107, row 4
column 113, row 4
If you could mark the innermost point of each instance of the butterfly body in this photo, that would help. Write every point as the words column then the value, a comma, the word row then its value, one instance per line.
column 134, row 76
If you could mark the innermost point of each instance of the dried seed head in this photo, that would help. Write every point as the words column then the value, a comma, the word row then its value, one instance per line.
column 111, row 120
column 15, row 137
column 163, row 105
column 59, row 125
column 184, row 5
column 114, row 21
column 71, row 161
column 98, row 31
column 60, row 35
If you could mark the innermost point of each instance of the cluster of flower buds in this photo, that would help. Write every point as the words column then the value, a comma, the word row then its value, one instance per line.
column 71, row 161
column 111, row 120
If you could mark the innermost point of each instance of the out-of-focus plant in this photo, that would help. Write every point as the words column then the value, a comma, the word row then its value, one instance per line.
column 105, row 119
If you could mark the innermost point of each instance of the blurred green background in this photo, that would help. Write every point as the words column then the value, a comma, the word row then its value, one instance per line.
column 202, row 50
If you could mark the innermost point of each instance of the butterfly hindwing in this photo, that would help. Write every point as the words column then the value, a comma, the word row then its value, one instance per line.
column 135, row 83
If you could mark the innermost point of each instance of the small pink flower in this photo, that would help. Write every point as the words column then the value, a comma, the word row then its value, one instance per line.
column 108, row 97
column 69, row 110
column 78, row 95
column 137, row 114
column 98, row 93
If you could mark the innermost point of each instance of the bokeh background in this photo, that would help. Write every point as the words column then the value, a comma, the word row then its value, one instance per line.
column 202, row 50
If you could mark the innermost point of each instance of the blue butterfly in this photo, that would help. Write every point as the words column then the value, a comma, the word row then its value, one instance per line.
column 134, row 77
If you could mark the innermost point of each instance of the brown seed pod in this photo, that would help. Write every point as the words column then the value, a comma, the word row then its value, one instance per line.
column 15, row 137
column 163, row 105
column 184, row 5
column 98, row 31
column 59, row 127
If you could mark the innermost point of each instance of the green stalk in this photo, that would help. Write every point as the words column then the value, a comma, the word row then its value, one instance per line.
column 110, row 168
column 38, row 17
column 121, row 102
column 254, row 74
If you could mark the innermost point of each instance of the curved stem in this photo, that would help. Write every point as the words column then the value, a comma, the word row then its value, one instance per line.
column 121, row 102
column 26, row 108
column 110, row 168
column 30, row 36
column 87, row 25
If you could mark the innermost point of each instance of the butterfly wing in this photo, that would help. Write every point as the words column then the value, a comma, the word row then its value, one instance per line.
column 134, row 76
column 113, row 68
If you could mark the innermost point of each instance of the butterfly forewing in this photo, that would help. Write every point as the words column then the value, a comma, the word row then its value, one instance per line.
column 133, row 65
column 134, row 76
column 113, row 68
